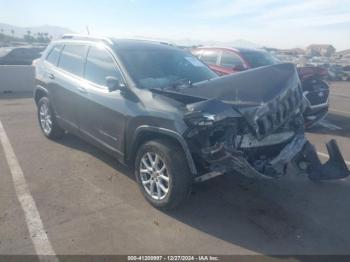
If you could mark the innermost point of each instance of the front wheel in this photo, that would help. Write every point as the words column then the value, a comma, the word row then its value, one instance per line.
column 162, row 173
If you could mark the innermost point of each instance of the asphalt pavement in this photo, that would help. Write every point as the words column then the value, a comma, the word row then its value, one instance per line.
column 84, row 202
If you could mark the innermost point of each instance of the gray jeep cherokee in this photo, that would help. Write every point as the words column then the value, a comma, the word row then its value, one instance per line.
column 161, row 110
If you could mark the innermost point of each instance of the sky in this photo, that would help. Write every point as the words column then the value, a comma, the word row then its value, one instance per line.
column 274, row 23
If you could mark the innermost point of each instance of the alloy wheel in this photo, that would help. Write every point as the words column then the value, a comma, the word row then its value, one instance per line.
column 154, row 176
column 45, row 118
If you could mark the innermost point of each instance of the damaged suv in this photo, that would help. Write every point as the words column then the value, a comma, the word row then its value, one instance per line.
column 164, row 112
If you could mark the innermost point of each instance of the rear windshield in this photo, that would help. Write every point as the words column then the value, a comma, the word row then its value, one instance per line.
column 258, row 59
column 152, row 68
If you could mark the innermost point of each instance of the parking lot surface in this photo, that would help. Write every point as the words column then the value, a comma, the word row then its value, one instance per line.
column 90, row 204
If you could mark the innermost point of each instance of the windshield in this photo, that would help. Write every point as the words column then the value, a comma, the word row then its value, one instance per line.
column 152, row 68
column 258, row 59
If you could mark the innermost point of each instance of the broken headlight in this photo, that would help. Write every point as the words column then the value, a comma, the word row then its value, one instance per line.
column 199, row 119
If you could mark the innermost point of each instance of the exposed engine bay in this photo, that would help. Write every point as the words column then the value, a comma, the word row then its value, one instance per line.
column 231, row 144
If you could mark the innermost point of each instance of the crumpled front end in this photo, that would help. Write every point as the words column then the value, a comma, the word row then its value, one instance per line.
column 230, row 144
column 252, row 123
column 222, row 141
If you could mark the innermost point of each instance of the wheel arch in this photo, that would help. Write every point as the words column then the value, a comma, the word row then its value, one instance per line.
column 147, row 133
column 39, row 92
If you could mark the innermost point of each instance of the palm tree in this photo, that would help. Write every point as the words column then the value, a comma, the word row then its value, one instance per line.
column 28, row 36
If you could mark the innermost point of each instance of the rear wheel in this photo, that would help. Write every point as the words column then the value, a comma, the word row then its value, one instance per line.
column 162, row 173
column 47, row 120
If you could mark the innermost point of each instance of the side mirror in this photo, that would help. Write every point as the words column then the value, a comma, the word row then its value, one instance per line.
column 113, row 84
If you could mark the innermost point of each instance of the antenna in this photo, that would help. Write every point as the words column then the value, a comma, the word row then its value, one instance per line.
column 87, row 30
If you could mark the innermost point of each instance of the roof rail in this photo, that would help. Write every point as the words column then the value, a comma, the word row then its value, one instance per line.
column 87, row 37
column 151, row 40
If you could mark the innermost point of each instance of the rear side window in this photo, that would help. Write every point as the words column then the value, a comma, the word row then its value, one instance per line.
column 210, row 56
column 73, row 58
column 99, row 65
column 229, row 59
column 54, row 54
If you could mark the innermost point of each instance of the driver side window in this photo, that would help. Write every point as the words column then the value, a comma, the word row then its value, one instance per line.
column 99, row 65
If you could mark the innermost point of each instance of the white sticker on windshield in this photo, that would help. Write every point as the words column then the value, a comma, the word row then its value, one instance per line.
column 194, row 61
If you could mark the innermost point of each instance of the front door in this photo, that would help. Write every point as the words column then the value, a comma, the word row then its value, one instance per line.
column 102, row 113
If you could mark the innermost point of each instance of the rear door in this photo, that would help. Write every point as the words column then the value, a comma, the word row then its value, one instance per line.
column 67, row 79
column 102, row 113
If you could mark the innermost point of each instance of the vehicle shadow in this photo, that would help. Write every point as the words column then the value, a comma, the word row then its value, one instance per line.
column 76, row 143
column 271, row 217
column 339, row 126
column 287, row 216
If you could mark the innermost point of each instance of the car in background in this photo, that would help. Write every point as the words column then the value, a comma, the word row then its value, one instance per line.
column 346, row 70
column 226, row 61
column 339, row 73
column 19, row 55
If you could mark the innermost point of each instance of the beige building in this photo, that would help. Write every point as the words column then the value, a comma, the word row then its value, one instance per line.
column 320, row 50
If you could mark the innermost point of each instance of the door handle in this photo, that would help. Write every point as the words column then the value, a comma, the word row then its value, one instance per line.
column 51, row 76
column 82, row 90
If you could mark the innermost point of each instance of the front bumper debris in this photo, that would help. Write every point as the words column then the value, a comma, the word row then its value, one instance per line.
column 225, row 160
column 334, row 168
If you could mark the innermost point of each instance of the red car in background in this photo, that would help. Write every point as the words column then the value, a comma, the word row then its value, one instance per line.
column 232, row 60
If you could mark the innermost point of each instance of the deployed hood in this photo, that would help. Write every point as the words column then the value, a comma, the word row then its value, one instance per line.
column 267, row 96
column 255, row 86
column 252, row 87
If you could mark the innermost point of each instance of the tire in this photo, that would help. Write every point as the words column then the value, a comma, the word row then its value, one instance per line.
column 54, row 131
column 176, row 169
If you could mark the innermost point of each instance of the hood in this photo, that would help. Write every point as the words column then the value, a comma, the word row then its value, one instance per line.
column 265, row 96
column 247, row 88
column 254, row 86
